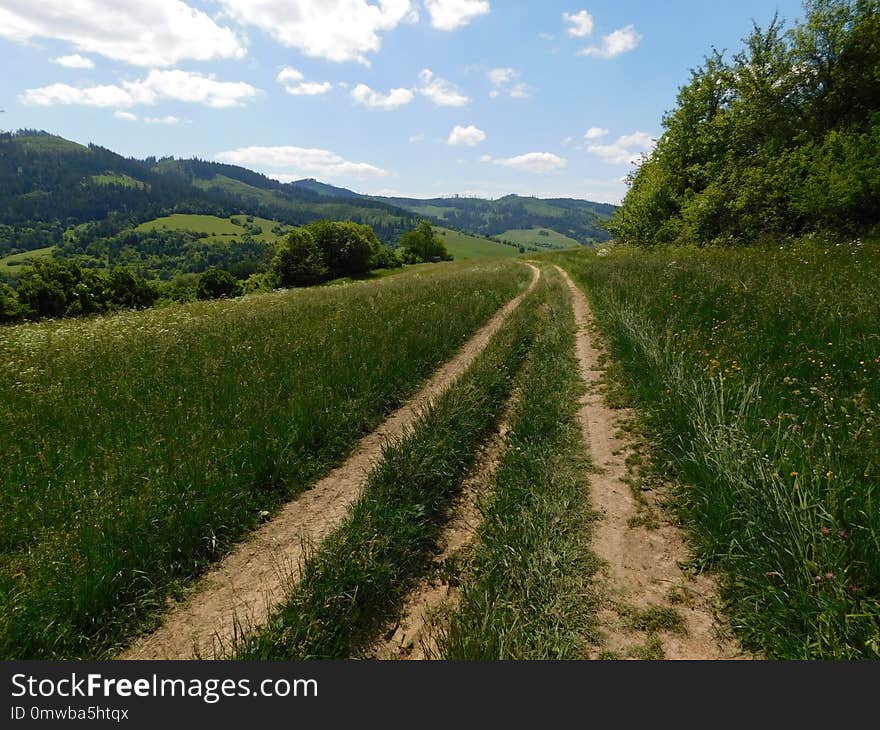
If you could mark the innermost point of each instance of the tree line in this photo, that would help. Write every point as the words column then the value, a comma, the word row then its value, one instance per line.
column 781, row 139
column 319, row 252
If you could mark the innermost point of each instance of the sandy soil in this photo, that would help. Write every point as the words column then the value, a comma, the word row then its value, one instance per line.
column 240, row 593
column 641, row 565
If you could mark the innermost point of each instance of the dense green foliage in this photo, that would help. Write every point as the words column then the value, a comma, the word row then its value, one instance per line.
column 217, row 284
column 135, row 449
column 784, row 138
column 360, row 577
column 423, row 245
column 298, row 261
column 758, row 376
column 526, row 593
column 50, row 288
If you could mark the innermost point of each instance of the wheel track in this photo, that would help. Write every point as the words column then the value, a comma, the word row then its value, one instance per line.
column 239, row 594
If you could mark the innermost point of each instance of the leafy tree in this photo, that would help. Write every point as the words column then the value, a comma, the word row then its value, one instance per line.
column 217, row 284
column 779, row 140
column 347, row 248
column 10, row 308
column 299, row 261
column 129, row 291
column 423, row 244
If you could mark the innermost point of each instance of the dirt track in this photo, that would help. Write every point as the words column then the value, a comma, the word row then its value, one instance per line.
column 242, row 590
column 641, row 564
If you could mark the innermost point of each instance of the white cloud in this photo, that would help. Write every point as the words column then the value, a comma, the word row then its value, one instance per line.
column 504, row 81
column 314, row 162
column 158, row 33
column 335, row 30
column 469, row 136
column 74, row 61
column 615, row 44
column 594, row 133
column 625, row 150
column 567, row 141
column 537, row 162
column 440, row 91
column 394, row 99
column 546, row 37
column 158, row 86
column 453, row 14
column 126, row 116
column 295, row 83
column 580, row 24
column 416, row 138
column 169, row 120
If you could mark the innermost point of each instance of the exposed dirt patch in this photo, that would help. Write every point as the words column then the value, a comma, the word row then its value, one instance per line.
column 654, row 609
column 240, row 593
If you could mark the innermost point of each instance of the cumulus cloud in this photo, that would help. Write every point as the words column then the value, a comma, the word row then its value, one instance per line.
column 615, row 44
column 505, row 82
column 469, row 136
column 537, row 162
column 440, row 91
column 182, row 86
column 625, row 150
column 394, row 99
column 335, row 30
column 580, row 24
column 304, row 161
column 294, row 82
column 126, row 116
column 453, row 14
column 594, row 133
column 74, row 61
column 158, row 33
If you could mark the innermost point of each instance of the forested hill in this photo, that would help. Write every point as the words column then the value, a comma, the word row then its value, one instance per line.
column 49, row 184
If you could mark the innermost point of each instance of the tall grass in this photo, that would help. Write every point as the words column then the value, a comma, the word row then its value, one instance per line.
column 135, row 449
column 758, row 372
column 526, row 594
column 360, row 577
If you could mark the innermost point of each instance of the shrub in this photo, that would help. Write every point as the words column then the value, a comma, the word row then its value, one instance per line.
column 299, row 261
column 217, row 284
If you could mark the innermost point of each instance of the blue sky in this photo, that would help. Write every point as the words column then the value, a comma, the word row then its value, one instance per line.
column 420, row 98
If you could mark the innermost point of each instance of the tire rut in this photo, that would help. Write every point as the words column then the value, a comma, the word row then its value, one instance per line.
column 641, row 565
column 239, row 594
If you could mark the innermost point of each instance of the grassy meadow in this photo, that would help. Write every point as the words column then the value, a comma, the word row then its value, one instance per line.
column 757, row 372
column 136, row 449
column 539, row 238
column 218, row 229
column 464, row 246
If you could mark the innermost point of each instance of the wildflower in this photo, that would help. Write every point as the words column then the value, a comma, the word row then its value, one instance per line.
column 829, row 576
column 795, row 475
column 843, row 534
column 826, row 531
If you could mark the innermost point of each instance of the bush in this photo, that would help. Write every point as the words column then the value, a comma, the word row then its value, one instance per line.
column 347, row 248
column 423, row 245
column 10, row 308
column 299, row 261
column 217, row 284
column 385, row 258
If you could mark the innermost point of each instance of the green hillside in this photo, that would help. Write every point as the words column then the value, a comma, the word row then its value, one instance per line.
column 463, row 246
column 542, row 238
column 218, row 229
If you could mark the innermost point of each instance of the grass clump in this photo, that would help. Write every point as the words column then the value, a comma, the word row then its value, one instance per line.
column 527, row 592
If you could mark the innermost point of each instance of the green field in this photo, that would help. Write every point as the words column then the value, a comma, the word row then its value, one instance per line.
column 18, row 263
column 535, row 238
column 465, row 247
column 125, row 181
column 218, row 229
column 135, row 449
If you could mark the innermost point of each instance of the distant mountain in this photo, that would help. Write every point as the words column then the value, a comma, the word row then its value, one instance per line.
column 48, row 184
